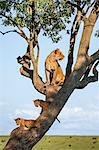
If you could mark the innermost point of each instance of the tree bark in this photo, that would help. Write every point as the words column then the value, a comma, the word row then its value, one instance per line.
column 86, row 36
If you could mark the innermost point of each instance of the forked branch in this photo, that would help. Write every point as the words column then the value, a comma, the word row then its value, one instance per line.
column 89, row 79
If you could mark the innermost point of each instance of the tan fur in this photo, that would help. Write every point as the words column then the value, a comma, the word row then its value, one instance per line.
column 41, row 103
column 54, row 73
column 25, row 124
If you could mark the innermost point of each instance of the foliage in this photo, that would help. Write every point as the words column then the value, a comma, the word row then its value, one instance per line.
column 52, row 16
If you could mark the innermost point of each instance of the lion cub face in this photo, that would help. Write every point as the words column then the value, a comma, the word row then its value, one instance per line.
column 37, row 102
column 25, row 124
column 18, row 121
column 58, row 54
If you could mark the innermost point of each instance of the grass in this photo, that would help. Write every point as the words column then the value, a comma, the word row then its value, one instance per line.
column 3, row 140
column 62, row 143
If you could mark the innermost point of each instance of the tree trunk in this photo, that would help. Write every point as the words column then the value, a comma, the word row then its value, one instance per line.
column 26, row 139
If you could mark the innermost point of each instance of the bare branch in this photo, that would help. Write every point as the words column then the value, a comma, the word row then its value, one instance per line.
column 38, row 52
column 74, row 31
column 32, row 53
column 84, row 4
column 7, row 32
column 22, row 34
column 32, row 74
column 26, row 72
column 95, row 56
column 90, row 6
column 89, row 79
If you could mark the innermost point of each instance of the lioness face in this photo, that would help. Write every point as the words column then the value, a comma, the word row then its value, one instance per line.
column 58, row 54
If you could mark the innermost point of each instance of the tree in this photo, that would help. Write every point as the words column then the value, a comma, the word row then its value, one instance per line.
column 51, row 16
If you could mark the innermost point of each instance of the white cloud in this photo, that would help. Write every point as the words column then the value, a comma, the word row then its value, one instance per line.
column 25, row 113
column 79, row 112
column 74, row 120
column 78, row 121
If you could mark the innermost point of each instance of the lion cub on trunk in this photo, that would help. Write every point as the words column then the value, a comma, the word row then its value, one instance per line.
column 25, row 124
column 54, row 73
column 42, row 104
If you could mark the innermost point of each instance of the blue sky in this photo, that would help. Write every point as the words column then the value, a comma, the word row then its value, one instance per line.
column 80, row 115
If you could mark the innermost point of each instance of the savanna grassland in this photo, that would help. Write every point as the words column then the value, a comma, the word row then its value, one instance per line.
column 62, row 143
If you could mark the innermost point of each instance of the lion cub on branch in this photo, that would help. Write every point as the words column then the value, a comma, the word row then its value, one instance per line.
column 54, row 73
column 25, row 124
column 41, row 103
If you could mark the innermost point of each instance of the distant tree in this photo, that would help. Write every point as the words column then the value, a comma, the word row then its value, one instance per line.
column 28, row 18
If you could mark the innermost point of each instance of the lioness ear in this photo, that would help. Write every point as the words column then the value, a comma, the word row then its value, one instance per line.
column 56, row 51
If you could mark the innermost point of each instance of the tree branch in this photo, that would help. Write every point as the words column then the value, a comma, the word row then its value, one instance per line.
column 25, row 71
column 88, row 79
column 94, row 56
column 89, row 23
column 1, row 14
column 7, row 32
column 92, row 59
column 84, row 4
column 90, row 6
column 75, row 5
column 74, row 31
column 38, row 84
column 21, row 33
column 38, row 52
column 88, row 28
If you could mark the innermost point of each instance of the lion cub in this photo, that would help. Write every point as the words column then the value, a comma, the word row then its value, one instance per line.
column 54, row 73
column 25, row 124
column 41, row 103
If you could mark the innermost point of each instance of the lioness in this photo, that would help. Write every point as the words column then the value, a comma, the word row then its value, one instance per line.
column 54, row 73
